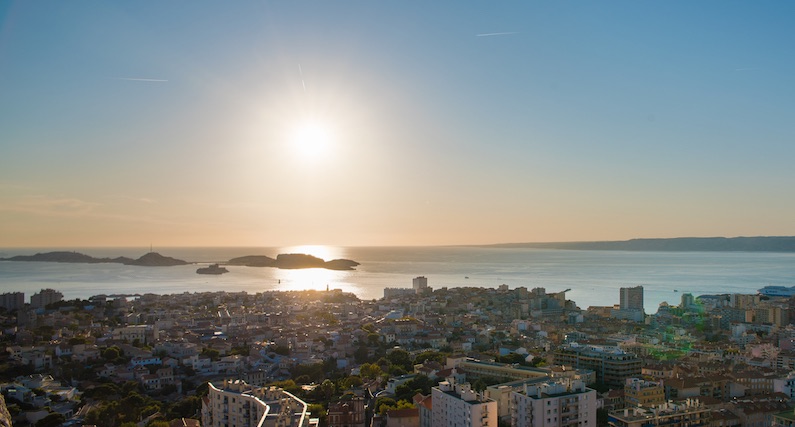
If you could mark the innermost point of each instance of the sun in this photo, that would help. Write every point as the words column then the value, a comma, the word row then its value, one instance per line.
column 311, row 139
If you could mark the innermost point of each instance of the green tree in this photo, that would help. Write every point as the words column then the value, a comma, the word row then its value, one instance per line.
column 400, row 358
column 328, row 388
column 368, row 370
column 212, row 353
column 351, row 382
column 53, row 419
column 184, row 408
column 430, row 355
column 318, row 411
column 111, row 353
column 386, row 402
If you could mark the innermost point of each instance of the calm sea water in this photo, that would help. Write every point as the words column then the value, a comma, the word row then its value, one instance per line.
column 594, row 277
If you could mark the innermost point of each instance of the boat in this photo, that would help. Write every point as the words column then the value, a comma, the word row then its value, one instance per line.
column 778, row 291
column 212, row 269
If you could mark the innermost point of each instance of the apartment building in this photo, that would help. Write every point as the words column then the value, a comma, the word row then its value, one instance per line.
column 689, row 413
column 562, row 403
column 12, row 300
column 638, row 392
column 477, row 369
column 457, row 405
column 234, row 403
column 45, row 297
column 612, row 365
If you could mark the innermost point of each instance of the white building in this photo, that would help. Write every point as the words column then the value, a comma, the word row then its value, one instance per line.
column 785, row 385
column 237, row 404
column 460, row 406
column 563, row 403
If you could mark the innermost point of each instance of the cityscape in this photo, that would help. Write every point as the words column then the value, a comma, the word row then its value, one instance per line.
column 419, row 356
column 312, row 213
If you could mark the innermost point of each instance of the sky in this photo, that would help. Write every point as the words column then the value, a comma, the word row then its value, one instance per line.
column 361, row 123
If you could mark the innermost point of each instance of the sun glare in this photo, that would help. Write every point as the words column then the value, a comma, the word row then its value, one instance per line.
column 311, row 139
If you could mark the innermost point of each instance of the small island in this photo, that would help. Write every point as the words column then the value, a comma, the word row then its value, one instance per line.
column 293, row 261
column 212, row 269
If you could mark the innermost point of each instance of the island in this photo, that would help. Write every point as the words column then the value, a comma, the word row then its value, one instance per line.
column 151, row 259
column 293, row 261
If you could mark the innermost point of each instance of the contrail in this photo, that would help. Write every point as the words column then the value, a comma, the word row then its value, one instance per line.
column 301, row 72
column 508, row 33
column 136, row 79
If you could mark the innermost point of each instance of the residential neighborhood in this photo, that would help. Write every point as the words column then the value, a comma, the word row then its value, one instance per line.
column 420, row 356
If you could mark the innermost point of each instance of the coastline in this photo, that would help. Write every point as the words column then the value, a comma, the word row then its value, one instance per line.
column 594, row 277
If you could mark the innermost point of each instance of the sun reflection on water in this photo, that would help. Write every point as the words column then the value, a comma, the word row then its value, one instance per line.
column 327, row 253
column 314, row 278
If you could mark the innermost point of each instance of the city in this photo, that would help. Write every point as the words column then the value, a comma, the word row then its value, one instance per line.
column 416, row 357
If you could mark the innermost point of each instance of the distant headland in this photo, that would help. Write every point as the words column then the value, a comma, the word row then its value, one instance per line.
column 678, row 244
column 154, row 259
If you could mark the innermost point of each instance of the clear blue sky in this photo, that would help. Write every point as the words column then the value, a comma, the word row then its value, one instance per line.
column 394, row 123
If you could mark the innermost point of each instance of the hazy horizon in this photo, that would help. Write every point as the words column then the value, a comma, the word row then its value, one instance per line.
column 272, row 124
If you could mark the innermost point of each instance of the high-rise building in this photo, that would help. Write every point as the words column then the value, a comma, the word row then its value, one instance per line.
column 45, row 297
column 562, row 403
column 460, row 406
column 420, row 284
column 12, row 300
column 687, row 302
column 631, row 305
column 632, row 298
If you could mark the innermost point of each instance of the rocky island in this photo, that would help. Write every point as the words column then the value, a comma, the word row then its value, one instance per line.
column 293, row 261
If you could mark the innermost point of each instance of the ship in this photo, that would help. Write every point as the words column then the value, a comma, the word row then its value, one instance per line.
column 777, row 291
column 212, row 269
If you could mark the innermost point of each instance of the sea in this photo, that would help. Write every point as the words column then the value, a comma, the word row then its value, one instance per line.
column 590, row 278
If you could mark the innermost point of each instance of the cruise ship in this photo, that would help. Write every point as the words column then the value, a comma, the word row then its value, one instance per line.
column 778, row 291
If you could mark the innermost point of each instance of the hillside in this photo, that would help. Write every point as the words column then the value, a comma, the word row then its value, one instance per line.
column 679, row 244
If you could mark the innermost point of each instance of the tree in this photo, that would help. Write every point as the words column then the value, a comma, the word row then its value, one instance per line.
column 368, row 370
column 317, row 410
column 361, row 354
column 212, row 353
column 400, row 358
column 328, row 388
column 383, row 401
column 51, row 420
column 350, row 382
column 430, row 355
column 111, row 353
column 185, row 408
